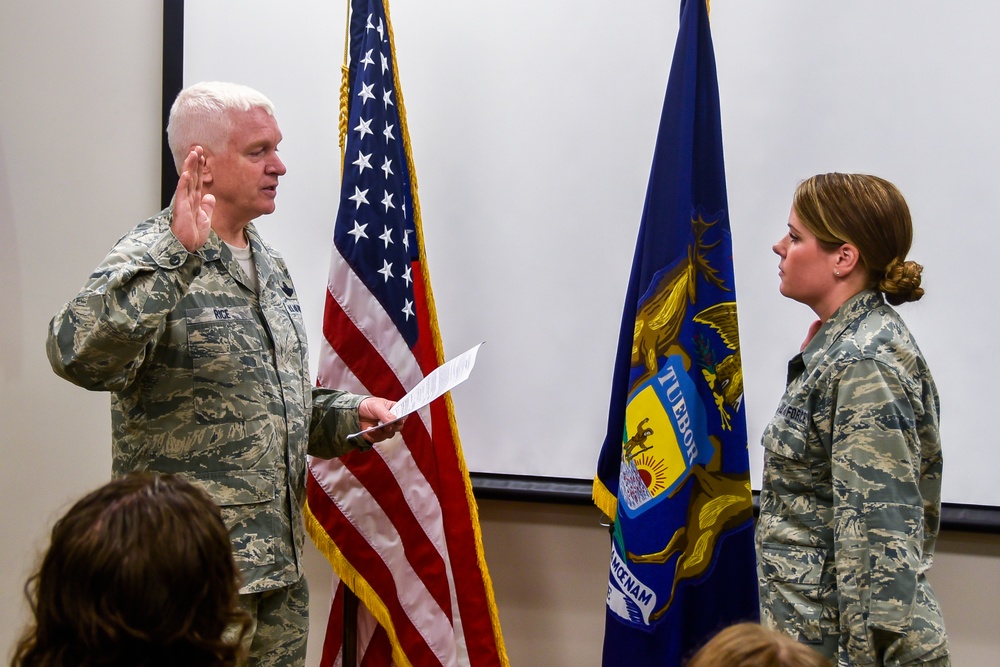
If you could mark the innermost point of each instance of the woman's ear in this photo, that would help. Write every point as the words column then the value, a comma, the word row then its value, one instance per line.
column 848, row 259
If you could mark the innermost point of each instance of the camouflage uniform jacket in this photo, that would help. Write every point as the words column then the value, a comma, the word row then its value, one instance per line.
column 210, row 380
column 850, row 503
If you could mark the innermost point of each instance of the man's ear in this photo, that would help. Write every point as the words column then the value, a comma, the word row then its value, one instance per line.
column 206, row 171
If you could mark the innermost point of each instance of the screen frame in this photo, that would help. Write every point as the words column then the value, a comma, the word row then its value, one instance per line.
column 486, row 486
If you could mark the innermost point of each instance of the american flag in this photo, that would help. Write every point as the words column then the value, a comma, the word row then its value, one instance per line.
column 399, row 523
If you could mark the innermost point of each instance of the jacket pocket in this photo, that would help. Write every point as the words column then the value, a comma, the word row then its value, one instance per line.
column 227, row 357
column 794, row 591
column 247, row 500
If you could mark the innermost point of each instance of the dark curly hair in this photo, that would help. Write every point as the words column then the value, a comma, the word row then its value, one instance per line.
column 140, row 573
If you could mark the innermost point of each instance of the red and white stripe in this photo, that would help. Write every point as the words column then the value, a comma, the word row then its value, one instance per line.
column 399, row 518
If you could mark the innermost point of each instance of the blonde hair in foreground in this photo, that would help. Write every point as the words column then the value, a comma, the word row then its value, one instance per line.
column 753, row 645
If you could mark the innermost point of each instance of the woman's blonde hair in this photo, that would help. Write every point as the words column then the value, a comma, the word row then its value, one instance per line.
column 869, row 213
column 753, row 645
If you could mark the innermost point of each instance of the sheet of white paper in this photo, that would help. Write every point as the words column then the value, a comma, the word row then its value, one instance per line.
column 443, row 378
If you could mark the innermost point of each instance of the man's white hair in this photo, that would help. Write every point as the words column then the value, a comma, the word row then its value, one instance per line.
column 202, row 115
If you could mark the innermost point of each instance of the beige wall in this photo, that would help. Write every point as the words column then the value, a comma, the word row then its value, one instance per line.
column 79, row 163
column 549, row 565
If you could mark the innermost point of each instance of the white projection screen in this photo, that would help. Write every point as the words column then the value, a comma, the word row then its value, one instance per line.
column 532, row 127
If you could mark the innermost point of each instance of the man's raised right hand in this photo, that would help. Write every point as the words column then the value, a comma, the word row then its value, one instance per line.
column 192, row 207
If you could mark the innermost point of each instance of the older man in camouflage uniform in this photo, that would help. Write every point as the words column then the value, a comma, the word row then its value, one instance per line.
column 850, row 505
column 192, row 323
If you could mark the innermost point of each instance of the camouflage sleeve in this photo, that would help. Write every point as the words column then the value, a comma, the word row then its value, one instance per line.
column 99, row 339
column 878, row 511
column 334, row 417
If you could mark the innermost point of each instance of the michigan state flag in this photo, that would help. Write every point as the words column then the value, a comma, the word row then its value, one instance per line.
column 674, row 472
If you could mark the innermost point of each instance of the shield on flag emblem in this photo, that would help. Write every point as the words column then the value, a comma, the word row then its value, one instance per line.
column 665, row 435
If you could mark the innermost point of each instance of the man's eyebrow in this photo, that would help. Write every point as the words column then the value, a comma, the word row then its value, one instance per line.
column 263, row 143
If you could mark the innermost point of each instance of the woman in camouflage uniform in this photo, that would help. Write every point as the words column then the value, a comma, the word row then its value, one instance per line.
column 850, row 503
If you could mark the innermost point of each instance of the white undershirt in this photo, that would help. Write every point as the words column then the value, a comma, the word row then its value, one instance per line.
column 245, row 257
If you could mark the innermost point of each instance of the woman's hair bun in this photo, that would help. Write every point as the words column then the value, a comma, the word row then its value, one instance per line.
column 901, row 282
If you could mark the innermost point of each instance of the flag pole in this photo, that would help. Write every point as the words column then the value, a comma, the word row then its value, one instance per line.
column 350, row 645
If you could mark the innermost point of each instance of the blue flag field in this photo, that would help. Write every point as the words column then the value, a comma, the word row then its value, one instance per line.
column 673, row 473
